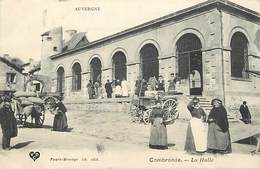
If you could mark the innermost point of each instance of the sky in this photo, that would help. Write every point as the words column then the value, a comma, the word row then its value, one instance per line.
column 23, row 21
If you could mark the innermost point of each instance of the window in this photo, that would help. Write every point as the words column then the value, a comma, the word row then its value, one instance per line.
column 11, row 78
column 76, row 77
column 49, row 38
column 239, row 56
column 60, row 80
column 37, row 86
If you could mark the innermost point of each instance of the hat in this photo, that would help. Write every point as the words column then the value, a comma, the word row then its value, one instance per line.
column 216, row 99
column 196, row 100
column 172, row 73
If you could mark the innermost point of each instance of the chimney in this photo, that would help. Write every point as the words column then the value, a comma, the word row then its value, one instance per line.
column 69, row 34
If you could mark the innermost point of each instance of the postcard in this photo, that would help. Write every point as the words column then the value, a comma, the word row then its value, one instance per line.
column 129, row 84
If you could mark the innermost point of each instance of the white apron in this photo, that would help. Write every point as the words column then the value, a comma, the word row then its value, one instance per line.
column 199, row 132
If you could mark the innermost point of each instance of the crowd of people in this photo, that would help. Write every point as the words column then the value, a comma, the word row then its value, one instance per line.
column 114, row 88
column 141, row 85
column 121, row 88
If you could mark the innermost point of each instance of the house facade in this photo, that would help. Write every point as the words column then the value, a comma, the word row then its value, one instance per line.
column 11, row 76
column 217, row 39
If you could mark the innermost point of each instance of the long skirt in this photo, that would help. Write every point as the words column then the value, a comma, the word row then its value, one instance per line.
column 196, row 137
column 158, row 135
column 60, row 122
column 217, row 139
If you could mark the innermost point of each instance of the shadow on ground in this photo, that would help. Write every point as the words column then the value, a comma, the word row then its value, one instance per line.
column 21, row 145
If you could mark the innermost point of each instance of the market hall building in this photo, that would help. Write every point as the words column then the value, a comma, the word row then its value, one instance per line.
column 218, row 39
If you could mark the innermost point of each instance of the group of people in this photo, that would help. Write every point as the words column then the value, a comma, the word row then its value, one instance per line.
column 9, row 124
column 115, row 87
column 216, row 140
column 141, row 85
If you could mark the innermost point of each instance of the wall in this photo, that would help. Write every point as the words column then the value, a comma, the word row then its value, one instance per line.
column 205, row 26
column 237, row 89
column 19, row 85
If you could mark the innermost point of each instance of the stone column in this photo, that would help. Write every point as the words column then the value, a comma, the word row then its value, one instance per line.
column 212, row 73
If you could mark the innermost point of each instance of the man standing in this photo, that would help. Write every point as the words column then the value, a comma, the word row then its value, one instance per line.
column 109, row 90
column 246, row 116
column 160, row 85
column 172, row 83
column 8, row 121
column 90, row 87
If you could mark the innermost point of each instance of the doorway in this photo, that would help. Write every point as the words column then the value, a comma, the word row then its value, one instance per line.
column 189, row 67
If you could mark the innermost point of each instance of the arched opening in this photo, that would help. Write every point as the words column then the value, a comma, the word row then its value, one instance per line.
column 189, row 62
column 239, row 55
column 76, row 77
column 149, row 62
column 119, row 66
column 60, row 80
column 34, row 86
column 95, row 70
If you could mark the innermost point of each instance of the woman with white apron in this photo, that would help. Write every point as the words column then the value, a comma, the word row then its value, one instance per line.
column 196, row 138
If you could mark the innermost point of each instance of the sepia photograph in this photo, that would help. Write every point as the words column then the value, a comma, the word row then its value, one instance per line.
column 130, row 84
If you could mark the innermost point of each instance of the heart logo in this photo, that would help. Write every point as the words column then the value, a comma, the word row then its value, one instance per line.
column 34, row 155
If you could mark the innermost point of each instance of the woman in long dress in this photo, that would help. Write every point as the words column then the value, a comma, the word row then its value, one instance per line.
column 124, row 86
column 60, row 120
column 218, row 132
column 196, row 140
column 158, row 135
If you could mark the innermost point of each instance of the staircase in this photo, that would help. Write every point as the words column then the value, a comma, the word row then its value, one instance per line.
column 205, row 103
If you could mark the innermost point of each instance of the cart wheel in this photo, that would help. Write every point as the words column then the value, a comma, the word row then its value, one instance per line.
column 49, row 102
column 170, row 106
column 135, row 114
column 146, row 116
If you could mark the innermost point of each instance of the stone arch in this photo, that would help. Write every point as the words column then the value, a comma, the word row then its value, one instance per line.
column 187, row 31
column 235, row 30
column 76, row 72
column 149, row 52
column 60, row 65
column 96, row 56
column 239, row 45
column 145, row 42
column 119, row 49
column 188, row 51
column 119, row 65
column 60, row 76
column 72, row 63
column 95, row 68
column 42, row 79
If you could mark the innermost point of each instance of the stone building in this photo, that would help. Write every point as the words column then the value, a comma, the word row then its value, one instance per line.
column 218, row 39
column 11, row 76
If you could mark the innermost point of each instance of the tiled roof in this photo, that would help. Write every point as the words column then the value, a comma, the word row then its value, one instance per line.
column 13, row 62
column 74, row 41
